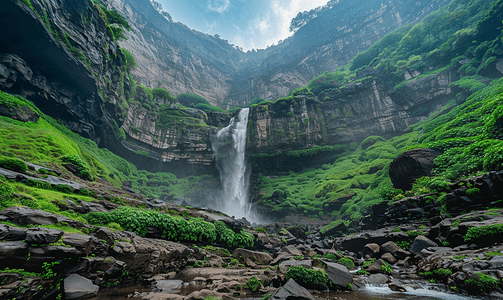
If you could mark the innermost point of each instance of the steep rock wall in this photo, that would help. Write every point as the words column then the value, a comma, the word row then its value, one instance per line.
column 330, row 40
column 185, row 61
column 182, row 149
column 165, row 53
column 38, row 60
column 343, row 116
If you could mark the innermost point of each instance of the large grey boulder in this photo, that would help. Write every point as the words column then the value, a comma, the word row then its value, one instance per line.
column 420, row 243
column 260, row 258
column 397, row 252
column 339, row 275
column 11, row 233
column 292, row 290
column 41, row 235
column 78, row 287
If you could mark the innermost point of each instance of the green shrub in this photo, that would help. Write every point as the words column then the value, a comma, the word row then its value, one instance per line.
column 331, row 256
column 472, row 191
column 189, row 99
column 13, row 164
column 386, row 268
column 208, row 107
column 308, row 278
column 414, row 233
column 64, row 188
column 348, row 262
column 483, row 281
column 495, row 253
column 260, row 229
column 130, row 61
column 475, row 233
column 254, row 284
column 405, row 245
column 86, row 192
column 114, row 226
column 172, row 228
column 6, row 190
column 442, row 273
column 163, row 94
column 39, row 184
column 362, row 272
column 82, row 168
column 368, row 263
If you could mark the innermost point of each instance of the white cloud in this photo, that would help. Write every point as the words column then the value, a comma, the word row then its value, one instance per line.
column 219, row 6
column 285, row 12
column 273, row 25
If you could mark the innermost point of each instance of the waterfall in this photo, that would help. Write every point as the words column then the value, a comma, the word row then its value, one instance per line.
column 229, row 147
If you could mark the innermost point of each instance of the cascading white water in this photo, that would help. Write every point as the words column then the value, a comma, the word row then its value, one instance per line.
column 229, row 147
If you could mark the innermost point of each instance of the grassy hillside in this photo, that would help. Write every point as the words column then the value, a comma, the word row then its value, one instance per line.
column 48, row 143
column 470, row 133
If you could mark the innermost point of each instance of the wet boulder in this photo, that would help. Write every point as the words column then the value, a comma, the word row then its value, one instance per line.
column 339, row 275
column 292, row 290
column 78, row 287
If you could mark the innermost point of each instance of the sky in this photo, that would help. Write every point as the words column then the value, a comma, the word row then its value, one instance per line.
column 250, row 24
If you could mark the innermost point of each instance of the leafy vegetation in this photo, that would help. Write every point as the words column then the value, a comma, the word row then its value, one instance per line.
column 13, row 164
column 476, row 233
column 483, row 282
column 190, row 99
column 468, row 133
column 254, row 284
column 315, row 279
column 172, row 227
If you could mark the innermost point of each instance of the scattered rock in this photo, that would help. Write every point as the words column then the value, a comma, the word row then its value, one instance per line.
column 260, row 258
column 370, row 250
column 387, row 257
column 339, row 275
column 393, row 249
column 420, row 243
column 78, row 287
column 376, row 267
column 41, row 235
column 396, row 288
column 292, row 290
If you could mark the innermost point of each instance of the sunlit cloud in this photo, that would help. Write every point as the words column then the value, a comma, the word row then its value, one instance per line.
column 285, row 12
column 219, row 6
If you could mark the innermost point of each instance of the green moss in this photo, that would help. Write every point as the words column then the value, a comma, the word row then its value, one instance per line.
column 13, row 164
column 253, row 284
column 476, row 233
column 483, row 282
column 308, row 278
column 172, row 228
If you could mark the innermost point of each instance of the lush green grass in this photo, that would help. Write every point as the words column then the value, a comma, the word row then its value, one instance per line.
column 51, row 144
column 469, row 132
column 460, row 30
column 358, row 175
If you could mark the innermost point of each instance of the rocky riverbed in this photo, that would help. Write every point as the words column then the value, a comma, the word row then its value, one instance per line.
column 402, row 250
column 403, row 262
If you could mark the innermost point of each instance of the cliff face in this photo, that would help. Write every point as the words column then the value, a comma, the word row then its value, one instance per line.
column 59, row 56
column 185, row 61
column 328, row 41
column 182, row 149
column 165, row 54
column 342, row 116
